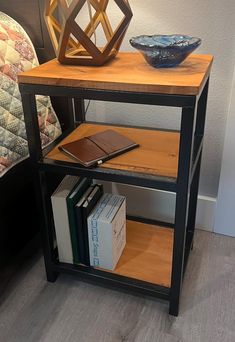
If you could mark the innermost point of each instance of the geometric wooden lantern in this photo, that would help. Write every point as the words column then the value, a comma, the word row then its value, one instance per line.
column 76, row 45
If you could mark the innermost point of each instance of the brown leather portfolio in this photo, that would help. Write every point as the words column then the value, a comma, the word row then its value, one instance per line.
column 95, row 149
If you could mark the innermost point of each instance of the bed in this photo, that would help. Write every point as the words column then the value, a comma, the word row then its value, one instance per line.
column 19, row 220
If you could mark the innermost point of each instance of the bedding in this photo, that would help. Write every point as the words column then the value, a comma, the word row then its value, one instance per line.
column 17, row 54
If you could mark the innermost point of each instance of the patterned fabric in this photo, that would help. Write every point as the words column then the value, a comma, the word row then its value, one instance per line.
column 17, row 54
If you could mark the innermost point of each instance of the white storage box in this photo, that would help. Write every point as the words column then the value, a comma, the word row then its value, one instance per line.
column 107, row 231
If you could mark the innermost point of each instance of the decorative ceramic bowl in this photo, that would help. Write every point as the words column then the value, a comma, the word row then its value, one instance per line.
column 165, row 51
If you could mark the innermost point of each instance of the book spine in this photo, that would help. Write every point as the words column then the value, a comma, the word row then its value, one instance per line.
column 99, row 233
column 93, row 202
column 93, row 233
column 62, row 229
column 73, row 230
column 79, row 227
column 85, row 238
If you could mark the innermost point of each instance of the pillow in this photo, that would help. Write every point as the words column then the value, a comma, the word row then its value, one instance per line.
column 17, row 54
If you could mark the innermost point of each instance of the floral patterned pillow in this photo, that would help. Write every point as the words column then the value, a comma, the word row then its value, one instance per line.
column 17, row 54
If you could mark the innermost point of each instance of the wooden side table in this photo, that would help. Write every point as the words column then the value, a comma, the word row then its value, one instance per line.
column 156, row 253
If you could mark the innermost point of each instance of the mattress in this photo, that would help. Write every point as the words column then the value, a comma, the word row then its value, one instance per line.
column 17, row 54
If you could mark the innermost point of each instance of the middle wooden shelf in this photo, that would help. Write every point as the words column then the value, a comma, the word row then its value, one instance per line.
column 157, row 154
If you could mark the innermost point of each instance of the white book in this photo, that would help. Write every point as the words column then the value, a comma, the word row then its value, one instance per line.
column 107, row 231
column 61, row 220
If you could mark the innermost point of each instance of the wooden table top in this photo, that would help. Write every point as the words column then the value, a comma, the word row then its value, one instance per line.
column 127, row 72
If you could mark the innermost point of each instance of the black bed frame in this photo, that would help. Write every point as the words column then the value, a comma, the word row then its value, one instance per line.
column 19, row 219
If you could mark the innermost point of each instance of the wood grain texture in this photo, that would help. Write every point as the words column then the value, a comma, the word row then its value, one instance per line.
column 127, row 72
column 148, row 254
column 70, row 310
column 157, row 154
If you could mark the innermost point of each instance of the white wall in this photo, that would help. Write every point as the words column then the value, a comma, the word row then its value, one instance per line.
column 211, row 20
column 225, row 213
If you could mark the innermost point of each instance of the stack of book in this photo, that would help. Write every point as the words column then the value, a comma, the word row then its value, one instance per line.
column 90, row 226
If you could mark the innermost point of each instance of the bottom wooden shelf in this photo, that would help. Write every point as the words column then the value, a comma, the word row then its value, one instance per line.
column 148, row 254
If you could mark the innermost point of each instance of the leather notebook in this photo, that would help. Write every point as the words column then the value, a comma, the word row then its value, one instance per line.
column 95, row 149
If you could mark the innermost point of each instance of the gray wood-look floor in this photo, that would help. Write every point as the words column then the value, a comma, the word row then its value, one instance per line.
column 32, row 310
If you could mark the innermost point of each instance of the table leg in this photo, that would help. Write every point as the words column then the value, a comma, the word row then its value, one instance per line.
column 182, row 202
column 35, row 150
column 80, row 115
column 47, row 228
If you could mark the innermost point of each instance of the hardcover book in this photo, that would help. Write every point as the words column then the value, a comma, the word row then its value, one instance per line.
column 61, row 220
column 72, row 199
column 95, row 149
column 83, row 209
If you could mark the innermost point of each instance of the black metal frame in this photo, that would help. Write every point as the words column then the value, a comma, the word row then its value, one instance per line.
column 185, row 187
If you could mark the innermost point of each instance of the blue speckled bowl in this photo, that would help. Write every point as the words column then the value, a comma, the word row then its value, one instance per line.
column 165, row 51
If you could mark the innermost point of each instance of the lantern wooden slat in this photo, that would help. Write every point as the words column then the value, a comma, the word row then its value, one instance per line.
column 74, row 45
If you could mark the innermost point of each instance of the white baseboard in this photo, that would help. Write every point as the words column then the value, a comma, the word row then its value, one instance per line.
column 156, row 204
